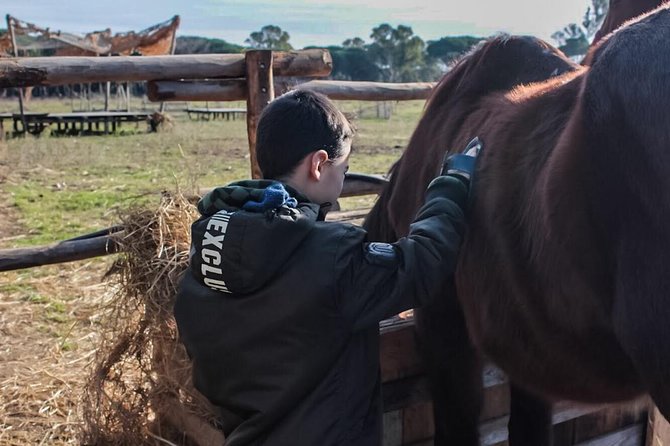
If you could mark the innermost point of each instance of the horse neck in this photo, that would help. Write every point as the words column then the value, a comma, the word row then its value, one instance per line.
column 623, row 12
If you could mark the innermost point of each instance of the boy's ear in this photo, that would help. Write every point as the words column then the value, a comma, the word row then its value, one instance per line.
column 316, row 162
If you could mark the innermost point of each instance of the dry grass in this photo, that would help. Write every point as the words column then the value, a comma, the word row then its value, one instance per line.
column 48, row 327
column 140, row 388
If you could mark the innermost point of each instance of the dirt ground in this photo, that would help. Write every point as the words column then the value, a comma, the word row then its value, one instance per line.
column 47, row 344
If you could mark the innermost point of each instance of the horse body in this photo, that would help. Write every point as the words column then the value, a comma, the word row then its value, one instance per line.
column 543, row 286
column 561, row 279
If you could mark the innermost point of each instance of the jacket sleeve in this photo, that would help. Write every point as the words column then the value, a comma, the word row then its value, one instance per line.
column 379, row 280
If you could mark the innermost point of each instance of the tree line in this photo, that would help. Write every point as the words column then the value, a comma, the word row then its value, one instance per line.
column 396, row 54
column 393, row 54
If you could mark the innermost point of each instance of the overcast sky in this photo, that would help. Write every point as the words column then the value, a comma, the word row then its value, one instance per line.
column 309, row 22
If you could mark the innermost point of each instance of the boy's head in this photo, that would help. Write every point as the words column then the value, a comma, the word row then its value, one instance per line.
column 305, row 141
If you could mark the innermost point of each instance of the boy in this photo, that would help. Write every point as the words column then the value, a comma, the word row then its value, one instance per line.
column 279, row 310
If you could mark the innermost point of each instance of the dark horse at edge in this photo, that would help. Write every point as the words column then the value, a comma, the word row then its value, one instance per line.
column 563, row 278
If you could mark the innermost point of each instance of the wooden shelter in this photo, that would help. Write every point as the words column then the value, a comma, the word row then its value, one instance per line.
column 31, row 39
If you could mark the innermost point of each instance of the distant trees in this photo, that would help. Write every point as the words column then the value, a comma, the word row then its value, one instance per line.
column 574, row 39
column 447, row 49
column 356, row 42
column 399, row 53
column 393, row 54
column 270, row 37
column 203, row 45
column 353, row 63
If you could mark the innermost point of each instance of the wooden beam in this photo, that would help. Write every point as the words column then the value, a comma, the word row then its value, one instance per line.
column 213, row 90
column 628, row 436
column 26, row 71
column 234, row 90
column 15, row 52
column 260, row 88
column 99, row 243
column 356, row 184
column 370, row 91
column 67, row 251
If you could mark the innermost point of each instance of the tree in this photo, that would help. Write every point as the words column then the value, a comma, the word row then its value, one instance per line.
column 270, row 37
column 353, row 64
column 203, row 45
column 574, row 39
column 449, row 48
column 594, row 16
column 398, row 53
column 356, row 42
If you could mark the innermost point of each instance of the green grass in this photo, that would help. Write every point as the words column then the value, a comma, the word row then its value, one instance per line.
column 61, row 187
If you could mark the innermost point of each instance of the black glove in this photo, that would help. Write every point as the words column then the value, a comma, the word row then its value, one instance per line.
column 462, row 165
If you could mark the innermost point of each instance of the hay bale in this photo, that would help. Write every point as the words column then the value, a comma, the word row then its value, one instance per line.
column 140, row 389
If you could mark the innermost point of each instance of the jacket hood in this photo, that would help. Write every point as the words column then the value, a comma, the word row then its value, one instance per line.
column 247, row 232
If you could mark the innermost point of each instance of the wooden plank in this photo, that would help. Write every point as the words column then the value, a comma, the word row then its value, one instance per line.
column 357, row 184
column 370, row 91
column 629, row 436
column 209, row 89
column 494, row 432
column 260, row 92
column 496, row 393
column 29, row 71
column 404, row 392
column 352, row 216
column 610, row 419
column 392, row 422
column 215, row 110
column 418, row 423
column 658, row 431
column 67, row 251
column 303, row 63
column 234, row 90
column 15, row 52
column 398, row 354
column 184, row 90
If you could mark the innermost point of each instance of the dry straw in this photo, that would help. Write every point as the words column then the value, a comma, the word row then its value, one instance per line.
column 140, row 389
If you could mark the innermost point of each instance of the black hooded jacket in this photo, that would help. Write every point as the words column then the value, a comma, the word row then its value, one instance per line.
column 279, row 311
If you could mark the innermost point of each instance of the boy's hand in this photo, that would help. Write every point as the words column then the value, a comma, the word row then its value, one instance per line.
column 462, row 165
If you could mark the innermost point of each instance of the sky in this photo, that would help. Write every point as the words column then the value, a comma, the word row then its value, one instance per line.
column 309, row 22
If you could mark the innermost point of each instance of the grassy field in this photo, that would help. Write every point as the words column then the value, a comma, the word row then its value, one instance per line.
column 54, row 188
column 60, row 187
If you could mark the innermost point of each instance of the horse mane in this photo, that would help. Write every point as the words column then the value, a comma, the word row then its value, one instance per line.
column 376, row 223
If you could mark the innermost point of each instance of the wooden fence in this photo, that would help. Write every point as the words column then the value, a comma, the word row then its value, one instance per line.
column 254, row 77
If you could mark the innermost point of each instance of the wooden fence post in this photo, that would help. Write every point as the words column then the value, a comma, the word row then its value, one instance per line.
column 260, row 92
column 15, row 50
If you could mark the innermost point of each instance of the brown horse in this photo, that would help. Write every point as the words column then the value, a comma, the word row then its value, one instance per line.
column 562, row 278
column 620, row 11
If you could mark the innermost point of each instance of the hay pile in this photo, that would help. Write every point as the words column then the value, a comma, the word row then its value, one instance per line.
column 140, row 389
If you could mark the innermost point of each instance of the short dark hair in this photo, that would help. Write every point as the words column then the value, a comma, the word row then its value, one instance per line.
column 293, row 126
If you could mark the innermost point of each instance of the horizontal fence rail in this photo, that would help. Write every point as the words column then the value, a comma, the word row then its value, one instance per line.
column 33, row 71
column 236, row 90
column 102, row 243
